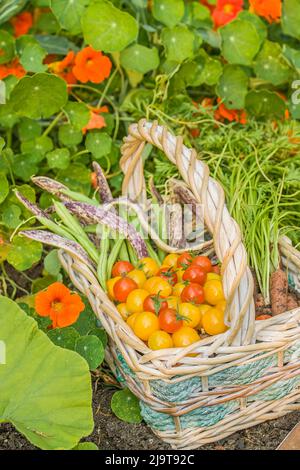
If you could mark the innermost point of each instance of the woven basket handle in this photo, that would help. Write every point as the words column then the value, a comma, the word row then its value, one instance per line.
column 236, row 275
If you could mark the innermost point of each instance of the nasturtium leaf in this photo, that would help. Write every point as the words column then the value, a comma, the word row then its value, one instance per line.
column 91, row 348
column 211, row 72
column 4, row 187
column 24, row 253
column 257, row 22
column 7, row 47
column 101, row 334
column 240, row 42
column 69, row 13
column 98, row 143
column 265, row 103
column 58, row 158
column 233, row 87
column 87, row 320
column 8, row 117
column 32, row 58
column 290, row 19
column 41, row 283
column 55, row 44
column 78, row 114
column 51, row 263
column 47, row 23
column 271, row 66
column 126, row 406
column 190, row 73
column 168, row 12
column 41, row 95
column 11, row 216
column 140, row 58
column 2, row 92
column 9, row 82
column 179, row 43
column 294, row 106
column 29, row 129
column 64, row 337
column 25, row 166
column 106, row 28
column 69, row 135
column 37, row 147
column 198, row 15
column 6, row 160
column 45, row 390
column 86, row 446
column 77, row 177
column 293, row 56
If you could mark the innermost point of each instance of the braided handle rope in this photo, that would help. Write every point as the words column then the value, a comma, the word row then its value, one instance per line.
column 237, row 278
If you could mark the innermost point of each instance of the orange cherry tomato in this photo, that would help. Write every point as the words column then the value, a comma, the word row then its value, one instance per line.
column 160, row 340
column 184, row 260
column 190, row 314
column 216, row 269
column 121, row 268
column 123, row 310
column 110, row 287
column 170, row 260
column 149, row 266
column 158, row 286
column 213, row 322
column 145, row 324
column 202, row 262
column 184, row 337
column 168, row 274
column 154, row 303
column 135, row 300
column 123, row 287
column 264, row 316
column 178, row 288
column 195, row 274
column 131, row 320
column 213, row 292
column 193, row 293
column 169, row 320
column 138, row 276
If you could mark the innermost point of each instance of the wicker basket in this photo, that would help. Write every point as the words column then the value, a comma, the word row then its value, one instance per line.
column 221, row 384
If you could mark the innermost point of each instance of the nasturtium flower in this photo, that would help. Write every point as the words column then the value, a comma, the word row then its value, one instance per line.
column 96, row 120
column 12, row 68
column 222, row 114
column 64, row 68
column 58, row 303
column 269, row 9
column 91, row 66
column 226, row 11
column 22, row 23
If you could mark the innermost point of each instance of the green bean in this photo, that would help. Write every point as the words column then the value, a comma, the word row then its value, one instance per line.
column 123, row 253
column 103, row 258
column 152, row 252
column 114, row 255
column 79, row 197
column 132, row 254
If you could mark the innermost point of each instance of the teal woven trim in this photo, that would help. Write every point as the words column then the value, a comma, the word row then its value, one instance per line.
column 201, row 417
column 292, row 353
column 291, row 281
column 277, row 390
column 177, row 391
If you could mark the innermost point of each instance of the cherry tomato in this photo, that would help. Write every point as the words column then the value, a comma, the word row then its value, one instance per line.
column 173, row 301
column 213, row 292
column 131, row 319
column 213, row 322
column 123, row 310
column 221, row 305
column 149, row 266
column 263, row 317
column 184, row 260
column 213, row 276
column 154, row 303
column 216, row 269
column 193, row 293
column 168, row 274
column 203, row 309
column 157, row 285
column 170, row 260
column 123, row 287
column 190, row 314
column 180, row 272
column 138, row 276
column 169, row 320
column 110, row 287
column 145, row 324
column 184, row 337
column 195, row 274
column 178, row 288
column 121, row 268
column 203, row 262
column 160, row 340
column 135, row 300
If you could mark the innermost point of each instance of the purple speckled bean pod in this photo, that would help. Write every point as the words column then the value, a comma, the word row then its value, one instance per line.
column 103, row 187
column 52, row 186
column 94, row 215
column 33, row 208
column 49, row 238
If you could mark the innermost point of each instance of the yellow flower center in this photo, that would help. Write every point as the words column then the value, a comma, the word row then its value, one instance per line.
column 228, row 8
column 57, row 306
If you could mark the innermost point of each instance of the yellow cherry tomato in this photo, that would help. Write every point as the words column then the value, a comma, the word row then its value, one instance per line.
column 203, row 309
column 184, row 337
column 138, row 276
column 160, row 340
column 191, row 314
column 178, row 288
column 157, row 285
column 173, row 302
column 180, row 272
column 221, row 305
column 213, row 322
column 149, row 266
column 123, row 310
column 213, row 292
column 110, row 287
column 131, row 320
column 135, row 300
column 170, row 260
column 145, row 324
column 213, row 276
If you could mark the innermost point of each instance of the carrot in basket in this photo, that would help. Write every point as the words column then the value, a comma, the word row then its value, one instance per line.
column 279, row 292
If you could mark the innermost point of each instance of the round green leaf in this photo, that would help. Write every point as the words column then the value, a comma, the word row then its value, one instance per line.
column 259, row 25
column 78, row 114
column 70, row 136
column 126, row 406
column 178, row 42
column 47, row 23
column 45, row 390
column 211, row 72
column 91, row 348
column 98, row 143
column 28, row 129
column 240, row 42
column 233, row 87
column 64, row 337
column 290, row 19
column 168, row 12
column 106, row 28
column 51, row 263
column 41, row 95
column 140, row 58
column 32, row 58
column 4, row 187
column 11, row 216
column 293, row 56
column 198, row 15
column 24, row 253
column 101, row 334
column 87, row 320
column 270, row 65
column 77, row 177
column 264, row 103
column 69, row 13
column 7, row 47
column 37, row 147
column 8, row 118
column 25, row 166
column 59, row 158
column 86, row 446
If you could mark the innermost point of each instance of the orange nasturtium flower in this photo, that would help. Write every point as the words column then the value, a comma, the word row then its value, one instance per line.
column 96, row 120
column 269, row 9
column 222, row 114
column 91, row 66
column 64, row 68
column 12, row 68
column 226, row 11
column 58, row 303
column 22, row 23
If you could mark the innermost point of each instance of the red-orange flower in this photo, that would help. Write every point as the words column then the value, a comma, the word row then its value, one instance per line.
column 269, row 9
column 96, row 120
column 12, row 68
column 222, row 114
column 22, row 23
column 64, row 68
column 58, row 303
column 91, row 66
column 226, row 11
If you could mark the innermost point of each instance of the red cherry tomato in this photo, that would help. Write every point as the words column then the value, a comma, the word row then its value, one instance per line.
column 123, row 287
column 120, row 268
column 154, row 303
column 194, row 274
column 169, row 320
column 216, row 269
column 184, row 260
column 203, row 262
column 193, row 293
column 169, row 275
